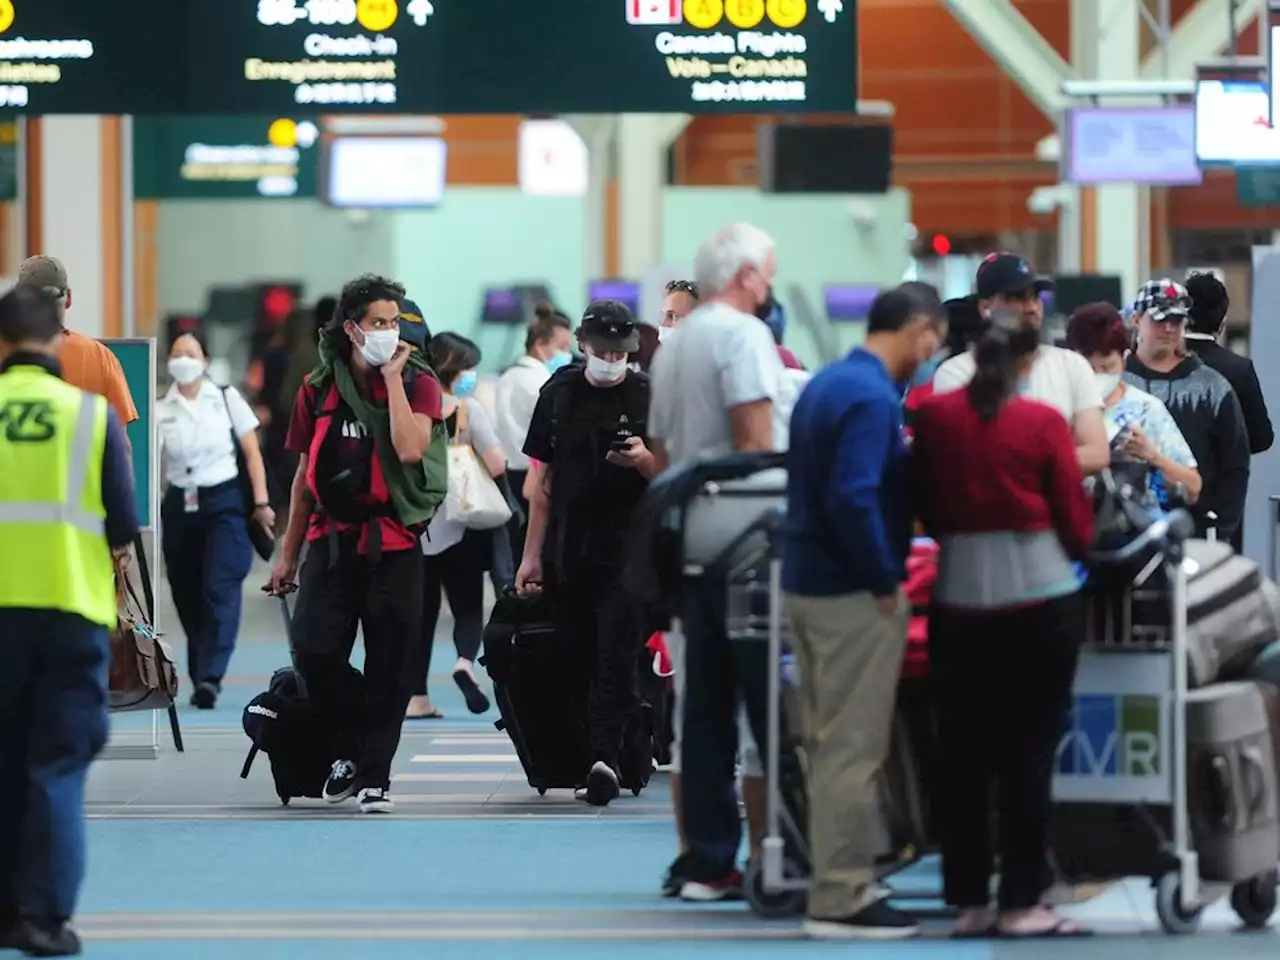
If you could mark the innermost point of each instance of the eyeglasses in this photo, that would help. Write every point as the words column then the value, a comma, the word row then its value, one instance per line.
column 683, row 286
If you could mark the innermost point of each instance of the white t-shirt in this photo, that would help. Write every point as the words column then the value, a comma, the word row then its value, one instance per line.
column 715, row 359
column 1061, row 378
column 195, row 435
column 518, row 389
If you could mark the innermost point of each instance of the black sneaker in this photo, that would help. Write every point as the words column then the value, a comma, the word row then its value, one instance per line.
column 205, row 696
column 602, row 785
column 677, row 875
column 876, row 922
column 46, row 940
column 341, row 783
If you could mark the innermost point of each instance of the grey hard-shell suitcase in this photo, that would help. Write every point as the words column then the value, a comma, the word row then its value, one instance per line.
column 1233, row 611
column 1231, row 782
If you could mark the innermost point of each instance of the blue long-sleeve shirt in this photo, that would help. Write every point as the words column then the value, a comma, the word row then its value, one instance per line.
column 848, row 526
column 117, row 486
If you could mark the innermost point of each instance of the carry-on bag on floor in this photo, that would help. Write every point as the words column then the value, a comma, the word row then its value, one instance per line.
column 301, row 745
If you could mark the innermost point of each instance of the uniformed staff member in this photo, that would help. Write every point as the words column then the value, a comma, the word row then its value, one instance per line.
column 590, row 468
column 66, row 499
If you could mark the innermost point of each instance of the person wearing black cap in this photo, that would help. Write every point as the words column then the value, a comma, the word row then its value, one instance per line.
column 1059, row 377
column 590, row 467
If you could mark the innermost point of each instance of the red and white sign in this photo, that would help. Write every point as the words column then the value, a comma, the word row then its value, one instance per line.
column 659, row 12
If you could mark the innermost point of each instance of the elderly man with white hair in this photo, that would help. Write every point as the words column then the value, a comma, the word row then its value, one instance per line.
column 715, row 384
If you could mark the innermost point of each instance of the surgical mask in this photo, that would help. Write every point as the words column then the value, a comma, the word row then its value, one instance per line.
column 604, row 370
column 924, row 373
column 1107, row 383
column 662, row 333
column 765, row 308
column 465, row 385
column 186, row 369
column 558, row 361
column 380, row 346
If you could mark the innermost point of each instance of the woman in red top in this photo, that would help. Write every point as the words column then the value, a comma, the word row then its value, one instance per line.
column 999, row 488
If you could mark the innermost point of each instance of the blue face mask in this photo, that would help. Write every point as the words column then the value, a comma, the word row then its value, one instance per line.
column 558, row 361
column 465, row 385
column 924, row 373
column 1024, row 386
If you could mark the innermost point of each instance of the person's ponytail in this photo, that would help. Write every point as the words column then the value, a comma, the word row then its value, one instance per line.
column 998, row 352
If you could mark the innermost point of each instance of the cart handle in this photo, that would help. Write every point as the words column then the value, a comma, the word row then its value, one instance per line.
column 1167, row 532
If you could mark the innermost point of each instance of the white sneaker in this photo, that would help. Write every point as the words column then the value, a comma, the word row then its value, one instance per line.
column 375, row 800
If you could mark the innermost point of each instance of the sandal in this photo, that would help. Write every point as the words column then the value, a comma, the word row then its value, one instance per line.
column 1064, row 928
column 433, row 715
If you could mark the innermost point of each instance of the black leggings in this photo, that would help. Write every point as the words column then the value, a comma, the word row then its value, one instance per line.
column 459, row 574
column 1003, row 682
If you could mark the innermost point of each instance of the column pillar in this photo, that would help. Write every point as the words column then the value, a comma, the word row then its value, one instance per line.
column 75, row 210
column 1105, row 45
column 641, row 150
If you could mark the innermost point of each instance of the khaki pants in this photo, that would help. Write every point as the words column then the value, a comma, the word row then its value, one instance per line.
column 850, row 657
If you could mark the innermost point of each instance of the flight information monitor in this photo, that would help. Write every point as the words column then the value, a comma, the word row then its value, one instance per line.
column 512, row 56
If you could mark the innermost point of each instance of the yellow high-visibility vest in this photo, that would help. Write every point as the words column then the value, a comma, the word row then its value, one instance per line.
column 54, row 553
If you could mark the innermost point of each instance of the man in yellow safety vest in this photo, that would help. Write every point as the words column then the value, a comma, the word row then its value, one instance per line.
column 66, row 500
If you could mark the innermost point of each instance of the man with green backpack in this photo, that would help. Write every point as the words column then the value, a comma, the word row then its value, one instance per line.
column 372, row 471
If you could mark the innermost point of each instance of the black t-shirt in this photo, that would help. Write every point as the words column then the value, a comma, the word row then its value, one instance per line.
column 592, row 500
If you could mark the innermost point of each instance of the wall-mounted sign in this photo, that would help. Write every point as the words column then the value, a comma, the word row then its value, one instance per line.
column 218, row 158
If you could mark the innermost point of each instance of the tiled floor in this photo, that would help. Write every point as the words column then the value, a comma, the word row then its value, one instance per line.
column 189, row 861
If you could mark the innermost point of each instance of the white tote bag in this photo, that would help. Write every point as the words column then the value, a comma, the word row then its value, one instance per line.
column 473, row 499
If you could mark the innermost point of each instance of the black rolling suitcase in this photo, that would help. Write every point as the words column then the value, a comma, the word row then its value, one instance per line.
column 542, row 696
column 282, row 723
column 535, row 684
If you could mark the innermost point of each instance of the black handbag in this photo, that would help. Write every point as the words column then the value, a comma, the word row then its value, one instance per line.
column 264, row 543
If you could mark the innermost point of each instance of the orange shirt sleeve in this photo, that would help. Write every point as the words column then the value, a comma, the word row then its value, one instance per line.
column 114, row 386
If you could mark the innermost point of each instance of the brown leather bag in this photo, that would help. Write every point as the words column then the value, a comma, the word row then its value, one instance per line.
column 143, row 675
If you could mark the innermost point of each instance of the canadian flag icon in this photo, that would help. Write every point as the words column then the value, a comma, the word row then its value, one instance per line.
column 654, row 11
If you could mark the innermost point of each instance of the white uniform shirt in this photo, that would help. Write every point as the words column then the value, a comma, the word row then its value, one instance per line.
column 518, row 390
column 195, row 435
column 716, row 359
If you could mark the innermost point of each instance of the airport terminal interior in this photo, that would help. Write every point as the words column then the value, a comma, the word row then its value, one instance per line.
column 221, row 165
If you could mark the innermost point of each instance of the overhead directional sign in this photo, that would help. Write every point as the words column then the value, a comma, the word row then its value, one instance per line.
column 282, row 57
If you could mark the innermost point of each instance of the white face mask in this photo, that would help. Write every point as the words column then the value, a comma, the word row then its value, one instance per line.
column 186, row 370
column 1107, row 383
column 662, row 333
column 604, row 371
column 380, row 346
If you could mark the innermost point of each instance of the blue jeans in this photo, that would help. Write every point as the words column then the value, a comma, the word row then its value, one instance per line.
column 53, row 722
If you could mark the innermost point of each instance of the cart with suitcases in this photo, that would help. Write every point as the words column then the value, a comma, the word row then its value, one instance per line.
column 1167, row 768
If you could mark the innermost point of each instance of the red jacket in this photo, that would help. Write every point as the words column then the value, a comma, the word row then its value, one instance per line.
column 1017, row 471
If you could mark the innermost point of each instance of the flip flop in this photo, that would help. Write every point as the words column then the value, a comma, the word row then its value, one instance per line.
column 1063, row 929
column 433, row 715
column 477, row 702
column 982, row 933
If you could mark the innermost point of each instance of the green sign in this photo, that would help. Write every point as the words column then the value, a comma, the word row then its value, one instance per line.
column 224, row 158
column 1258, row 186
column 136, row 358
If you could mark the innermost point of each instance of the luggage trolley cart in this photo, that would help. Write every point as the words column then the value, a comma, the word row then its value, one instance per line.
column 777, row 885
column 1121, row 769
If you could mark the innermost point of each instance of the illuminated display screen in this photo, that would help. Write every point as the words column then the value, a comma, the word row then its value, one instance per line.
column 1149, row 145
column 1232, row 123
column 512, row 56
column 87, row 56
